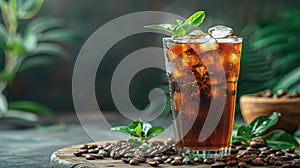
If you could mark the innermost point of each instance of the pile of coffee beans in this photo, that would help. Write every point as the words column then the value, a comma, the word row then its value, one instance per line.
column 163, row 152
column 280, row 94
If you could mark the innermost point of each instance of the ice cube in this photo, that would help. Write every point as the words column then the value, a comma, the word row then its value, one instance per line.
column 196, row 33
column 220, row 31
column 205, row 43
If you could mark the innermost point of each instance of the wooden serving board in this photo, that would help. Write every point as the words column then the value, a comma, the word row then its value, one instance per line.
column 64, row 158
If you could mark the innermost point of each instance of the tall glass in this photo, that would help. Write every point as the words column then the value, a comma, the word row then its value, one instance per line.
column 203, row 73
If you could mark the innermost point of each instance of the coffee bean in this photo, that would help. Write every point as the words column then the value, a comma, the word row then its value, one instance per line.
column 129, row 155
column 126, row 160
column 241, row 147
column 133, row 162
column 153, row 153
column 93, row 146
column 290, row 150
column 178, row 158
column 89, row 157
column 296, row 161
column 138, row 153
column 188, row 161
column 140, row 159
column 176, row 162
column 208, row 161
column 84, row 146
column 288, row 157
column 169, row 160
column 153, row 163
column 279, row 163
column 257, row 162
column 104, row 153
column 258, row 143
column 242, row 165
column 271, row 160
column 116, row 155
column 97, row 156
column 279, row 153
column 218, row 165
column 266, row 152
column 231, row 163
column 234, row 151
column 198, row 160
column 165, row 157
column 296, row 156
column 274, row 150
column 159, row 159
column 77, row 153
column 93, row 151
column 253, row 151
column 287, row 165
column 83, row 151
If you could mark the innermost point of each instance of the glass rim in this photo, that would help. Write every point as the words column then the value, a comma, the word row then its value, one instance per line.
column 183, row 39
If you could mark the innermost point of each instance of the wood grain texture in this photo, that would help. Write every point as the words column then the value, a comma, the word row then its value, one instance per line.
column 64, row 158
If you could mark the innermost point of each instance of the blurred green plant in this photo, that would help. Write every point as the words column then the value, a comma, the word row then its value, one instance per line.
column 271, row 56
column 35, row 46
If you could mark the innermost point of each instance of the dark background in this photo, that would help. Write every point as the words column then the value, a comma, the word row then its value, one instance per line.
column 52, row 86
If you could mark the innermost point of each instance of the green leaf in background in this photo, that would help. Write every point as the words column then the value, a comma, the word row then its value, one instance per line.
column 280, row 139
column 60, row 35
column 196, row 19
column 30, row 107
column 164, row 27
column 30, row 9
column 262, row 123
column 23, row 115
column 244, row 131
column 42, row 24
column 154, row 131
column 3, row 104
column 37, row 61
column 3, row 33
column 51, row 49
column 30, row 42
column 288, row 80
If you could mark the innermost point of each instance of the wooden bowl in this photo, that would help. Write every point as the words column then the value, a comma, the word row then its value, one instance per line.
column 253, row 106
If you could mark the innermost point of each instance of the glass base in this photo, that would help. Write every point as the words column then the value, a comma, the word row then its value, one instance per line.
column 204, row 153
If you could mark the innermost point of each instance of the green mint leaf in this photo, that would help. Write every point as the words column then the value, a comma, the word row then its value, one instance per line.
column 138, row 130
column 121, row 129
column 244, row 132
column 181, row 28
column 164, row 27
column 280, row 139
column 237, row 126
column 154, row 131
column 262, row 123
column 235, row 139
column 196, row 19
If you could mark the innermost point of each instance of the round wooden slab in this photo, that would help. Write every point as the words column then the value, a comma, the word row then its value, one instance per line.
column 64, row 158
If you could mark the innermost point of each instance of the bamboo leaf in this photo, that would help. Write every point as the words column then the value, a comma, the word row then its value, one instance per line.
column 23, row 115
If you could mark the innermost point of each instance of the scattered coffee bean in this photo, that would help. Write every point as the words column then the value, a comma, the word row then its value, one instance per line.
column 153, row 163
column 93, row 151
column 97, row 156
column 234, row 151
column 176, row 162
column 77, row 153
column 279, row 163
column 116, row 155
column 104, row 153
column 208, row 161
column 296, row 156
column 83, row 151
column 141, row 159
column 165, row 157
column 257, row 162
column 84, row 146
column 294, row 94
column 258, row 143
column 242, row 165
column 297, row 161
column 198, row 160
column 89, row 157
column 241, row 147
column 279, row 153
column 133, row 162
column 129, row 155
column 231, row 163
column 159, row 159
column 274, row 150
column 188, row 161
column 290, row 150
column 126, row 160
column 93, row 146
